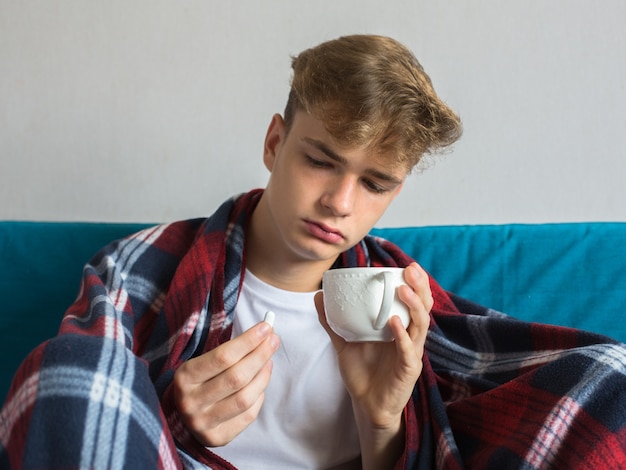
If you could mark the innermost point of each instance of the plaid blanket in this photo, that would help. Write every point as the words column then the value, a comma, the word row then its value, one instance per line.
column 494, row 392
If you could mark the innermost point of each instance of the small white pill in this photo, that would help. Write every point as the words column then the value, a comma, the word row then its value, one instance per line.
column 269, row 317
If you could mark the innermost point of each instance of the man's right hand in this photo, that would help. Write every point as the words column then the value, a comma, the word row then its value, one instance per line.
column 221, row 392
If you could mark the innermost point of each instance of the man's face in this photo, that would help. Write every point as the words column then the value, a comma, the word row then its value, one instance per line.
column 321, row 199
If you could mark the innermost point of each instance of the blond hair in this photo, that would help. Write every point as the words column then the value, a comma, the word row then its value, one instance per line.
column 371, row 91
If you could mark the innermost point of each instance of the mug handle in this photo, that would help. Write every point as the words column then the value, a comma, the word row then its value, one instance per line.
column 388, row 295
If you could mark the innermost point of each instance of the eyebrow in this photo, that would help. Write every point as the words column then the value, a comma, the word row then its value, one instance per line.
column 325, row 149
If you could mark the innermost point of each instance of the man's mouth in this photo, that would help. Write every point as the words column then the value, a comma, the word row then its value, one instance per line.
column 324, row 232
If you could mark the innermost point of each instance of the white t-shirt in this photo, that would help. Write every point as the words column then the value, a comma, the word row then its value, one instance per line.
column 306, row 420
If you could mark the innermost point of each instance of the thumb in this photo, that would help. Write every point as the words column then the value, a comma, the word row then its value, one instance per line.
column 321, row 315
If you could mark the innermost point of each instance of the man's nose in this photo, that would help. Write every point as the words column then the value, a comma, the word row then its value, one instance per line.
column 339, row 197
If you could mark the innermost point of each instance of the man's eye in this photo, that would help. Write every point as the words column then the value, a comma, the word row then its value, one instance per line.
column 317, row 163
column 374, row 187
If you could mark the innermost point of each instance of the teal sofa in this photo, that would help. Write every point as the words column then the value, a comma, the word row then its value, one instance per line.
column 564, row 274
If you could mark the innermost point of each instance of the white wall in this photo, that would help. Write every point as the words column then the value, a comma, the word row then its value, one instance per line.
column 155, row 110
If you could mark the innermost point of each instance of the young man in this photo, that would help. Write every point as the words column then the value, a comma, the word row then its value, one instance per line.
column 165, row 360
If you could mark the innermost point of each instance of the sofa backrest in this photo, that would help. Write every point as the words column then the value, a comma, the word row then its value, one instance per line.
column 565, row 274
column 568, row 274
column 40, row 270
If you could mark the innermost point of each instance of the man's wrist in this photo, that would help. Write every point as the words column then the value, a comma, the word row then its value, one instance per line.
column 381, row 446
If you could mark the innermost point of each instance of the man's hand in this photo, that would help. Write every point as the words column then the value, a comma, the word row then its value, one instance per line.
column 380, row 376
column 221, row 392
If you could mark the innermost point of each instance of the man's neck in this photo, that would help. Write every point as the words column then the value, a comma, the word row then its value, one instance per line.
column 294, row 278
column 275, row 268
column 278, row 267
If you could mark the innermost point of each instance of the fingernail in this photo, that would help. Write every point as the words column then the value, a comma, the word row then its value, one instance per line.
column 415, row 270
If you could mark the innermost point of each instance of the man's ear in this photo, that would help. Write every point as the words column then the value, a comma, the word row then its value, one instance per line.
column 273, row 140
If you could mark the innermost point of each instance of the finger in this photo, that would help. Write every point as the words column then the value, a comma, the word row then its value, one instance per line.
column 239, row 375
column 417, row 278
column 410, row 350
column 230, row 429
column 194, row 389
column 237, row 410
column 209, row 365
column 412, row 338
column 223, row 426
column 419, row 300
column 321, row 313
column 205, row 407
column 419, row 313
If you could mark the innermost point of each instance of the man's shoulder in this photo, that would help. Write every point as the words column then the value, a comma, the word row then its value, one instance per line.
column 171, row 239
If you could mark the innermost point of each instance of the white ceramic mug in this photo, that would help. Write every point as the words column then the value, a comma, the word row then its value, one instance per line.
column 359, row 302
